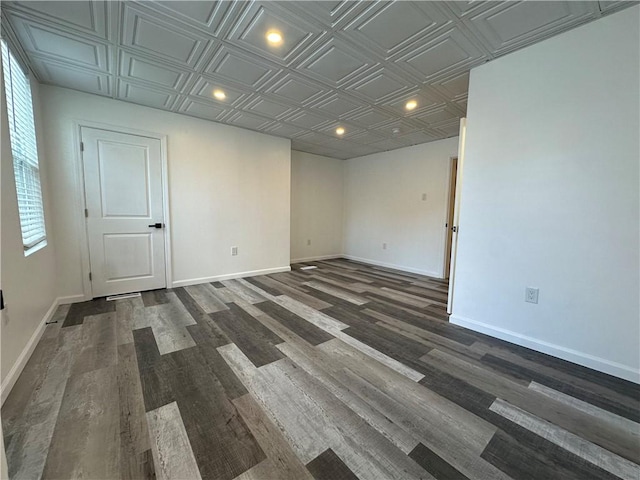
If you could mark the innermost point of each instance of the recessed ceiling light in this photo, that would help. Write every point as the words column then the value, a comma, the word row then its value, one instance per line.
column 411, row 104
column 219, row 94
column 340, row 131
column 274, row 37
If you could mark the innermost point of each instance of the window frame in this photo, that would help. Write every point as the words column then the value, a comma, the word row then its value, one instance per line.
column 24, row 150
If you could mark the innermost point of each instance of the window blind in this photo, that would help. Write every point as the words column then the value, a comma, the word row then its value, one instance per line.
column 24, row 148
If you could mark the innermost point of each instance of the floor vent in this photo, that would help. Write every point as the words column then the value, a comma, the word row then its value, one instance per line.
column 308, row 267
column 122, row 296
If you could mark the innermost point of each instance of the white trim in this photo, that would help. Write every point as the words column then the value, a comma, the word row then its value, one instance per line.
column 319, row 257
column 230, row 276
column 575, row 356
column 25, row 355
column 394, row 266
column 71, row 299
column 85, row 261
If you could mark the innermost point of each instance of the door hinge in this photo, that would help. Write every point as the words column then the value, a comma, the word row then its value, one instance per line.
column 86, row 213
column 82, row 146
column 90, row 277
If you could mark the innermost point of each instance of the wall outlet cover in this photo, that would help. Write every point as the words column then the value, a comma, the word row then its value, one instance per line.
column 234, row 251
column 531, row 294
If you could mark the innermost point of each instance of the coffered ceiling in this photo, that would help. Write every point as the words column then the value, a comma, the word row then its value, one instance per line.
column 349, row 64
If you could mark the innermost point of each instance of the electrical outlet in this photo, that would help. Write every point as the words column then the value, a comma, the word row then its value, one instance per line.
column 384, row 246
column 308, row 242
column 234, row 251
column 424, row 197
column 531, row 295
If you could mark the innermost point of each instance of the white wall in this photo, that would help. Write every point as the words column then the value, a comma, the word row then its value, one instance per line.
column 550, row 197
column 316, row 206
column 28, row 283
column 227, row 187
column 383, row 204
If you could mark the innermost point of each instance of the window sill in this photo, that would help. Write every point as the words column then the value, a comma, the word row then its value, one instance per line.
column 35, row 248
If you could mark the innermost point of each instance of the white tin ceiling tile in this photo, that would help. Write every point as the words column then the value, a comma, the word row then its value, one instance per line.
column 448, row 53
column 380, row 86
column 247, row 120
column 268, row 108
column 307, row 120
column 297, row 89
column 438, row 115
column 332, row 14
column 204, row 88
column 462, row 9
column 334, row 62
column 343, row 140
column 425, row 100
column 462, row 104
column 386, row 28
column 315, row 138
column 65, row 75
column 260, row 18
column 611, row 6
column 367, row 138
column 145, row 95
column 450, row 129
column 89, row 17
column 152, row 36
column 387, row 144
column 284, row 130
column 149, row 71
column 60, row 45
column 197, row 108
column 455, row 86
column 415, row 138
column 395, row 128
column 210, row 16
column 241, row 68
column 369, row 118
column 514, row 24
column 338, row 106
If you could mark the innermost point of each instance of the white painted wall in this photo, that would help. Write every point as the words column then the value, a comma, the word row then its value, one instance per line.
column 383, row 204
column 28, row 283
column 316, row 206
column 227, row 187
column 550, row 197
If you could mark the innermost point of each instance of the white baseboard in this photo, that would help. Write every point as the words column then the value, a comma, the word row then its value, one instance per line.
column 314, row 259
column 218, row 278
column 581, row 358
column 72, row 299
column 394, row 266
column 13, row 375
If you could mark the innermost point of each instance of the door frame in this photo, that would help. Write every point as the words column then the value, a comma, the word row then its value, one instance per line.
column 453, row 160
column 456, row 212
column 85, row 262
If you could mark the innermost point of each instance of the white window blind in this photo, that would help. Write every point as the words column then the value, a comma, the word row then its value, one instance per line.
column 24, row 148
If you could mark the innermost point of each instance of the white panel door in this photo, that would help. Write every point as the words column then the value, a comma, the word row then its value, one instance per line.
column 124, row 199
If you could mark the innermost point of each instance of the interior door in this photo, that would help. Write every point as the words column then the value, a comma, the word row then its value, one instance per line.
column 125, row 217
column 455, row 227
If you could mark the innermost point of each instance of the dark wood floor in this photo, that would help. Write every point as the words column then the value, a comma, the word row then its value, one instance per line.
column 344, row 371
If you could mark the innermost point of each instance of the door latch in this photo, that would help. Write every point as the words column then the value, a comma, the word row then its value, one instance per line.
column 156, row 225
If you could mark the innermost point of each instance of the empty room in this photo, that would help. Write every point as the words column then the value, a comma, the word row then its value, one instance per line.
column 323, row 240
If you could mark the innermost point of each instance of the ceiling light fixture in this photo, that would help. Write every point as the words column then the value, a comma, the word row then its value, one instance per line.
column 411, row 104
column 219, row 94
column 340, row 131
column 274, row 37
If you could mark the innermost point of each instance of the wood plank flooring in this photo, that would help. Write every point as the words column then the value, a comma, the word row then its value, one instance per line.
column 344, row 371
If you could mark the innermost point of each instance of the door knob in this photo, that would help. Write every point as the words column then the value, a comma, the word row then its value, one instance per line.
column 156, row 225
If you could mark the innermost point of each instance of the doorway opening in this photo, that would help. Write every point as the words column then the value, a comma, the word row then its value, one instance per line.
column 449, row 225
